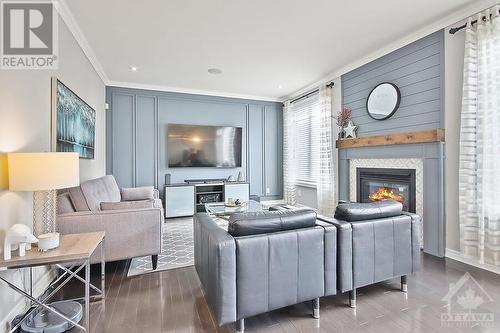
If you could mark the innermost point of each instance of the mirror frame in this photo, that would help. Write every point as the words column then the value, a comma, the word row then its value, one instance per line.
column 395, row 107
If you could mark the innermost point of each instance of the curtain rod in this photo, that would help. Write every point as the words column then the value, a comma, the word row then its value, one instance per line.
column 457, row 29
column 310, row 93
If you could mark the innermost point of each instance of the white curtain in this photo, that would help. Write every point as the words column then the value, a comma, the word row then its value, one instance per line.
column 289, row 162
column 479, row 171
column 325, row 185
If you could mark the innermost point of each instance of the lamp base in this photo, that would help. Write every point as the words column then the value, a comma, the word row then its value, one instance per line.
column 44, row 212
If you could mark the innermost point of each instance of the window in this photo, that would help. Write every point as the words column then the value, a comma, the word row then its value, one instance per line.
column 306, row 151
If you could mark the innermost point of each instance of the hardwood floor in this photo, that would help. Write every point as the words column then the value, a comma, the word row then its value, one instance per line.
column 172, row 301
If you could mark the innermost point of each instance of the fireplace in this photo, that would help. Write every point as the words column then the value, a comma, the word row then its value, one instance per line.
column 379, row 184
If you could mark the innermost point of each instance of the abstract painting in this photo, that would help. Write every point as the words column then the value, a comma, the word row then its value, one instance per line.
column 73, row 122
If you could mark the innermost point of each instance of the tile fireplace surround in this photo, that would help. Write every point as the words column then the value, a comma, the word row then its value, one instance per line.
column 394, row 163
column 427, row 159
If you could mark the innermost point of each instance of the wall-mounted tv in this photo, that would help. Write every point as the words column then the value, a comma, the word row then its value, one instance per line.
column 203, row 146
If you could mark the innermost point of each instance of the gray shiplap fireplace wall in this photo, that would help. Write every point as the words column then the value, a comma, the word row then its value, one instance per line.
column 136, row 137
column 417, row 69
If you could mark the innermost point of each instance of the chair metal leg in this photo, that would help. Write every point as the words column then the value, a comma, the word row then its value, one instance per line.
column 315, row 304
column 240, row 325
column 404, row 284
column 352, row 298
column 154, row 260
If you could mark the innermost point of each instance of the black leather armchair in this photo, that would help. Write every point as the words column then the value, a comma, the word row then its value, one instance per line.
column 266, row 261
column 376, row 242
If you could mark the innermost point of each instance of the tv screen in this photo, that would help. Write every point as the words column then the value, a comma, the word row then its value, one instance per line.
column 203, row 146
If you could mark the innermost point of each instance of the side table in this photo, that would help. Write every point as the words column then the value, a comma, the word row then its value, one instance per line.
column 75, row 250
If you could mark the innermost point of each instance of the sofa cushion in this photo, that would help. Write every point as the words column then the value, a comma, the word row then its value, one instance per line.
column 64, row 204
column 143, row 204
column 368, row 211
column 253, row 223
column 78, row 199
column 99, row 190
column 137, row 193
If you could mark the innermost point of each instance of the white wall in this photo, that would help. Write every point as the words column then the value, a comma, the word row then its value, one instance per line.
column 454, row 62
column 307, row 195
column 25, row 112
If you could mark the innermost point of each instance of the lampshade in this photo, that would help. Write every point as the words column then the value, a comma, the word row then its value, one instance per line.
column 43, row 171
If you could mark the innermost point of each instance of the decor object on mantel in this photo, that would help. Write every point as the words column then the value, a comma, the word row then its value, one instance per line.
column 231, row 178
column 18, row 236
column 383, row 101
column 342, row 118
column 73, row 122
column 241, row 177
column 436, row 135
column 43, row 173
column 350, row 130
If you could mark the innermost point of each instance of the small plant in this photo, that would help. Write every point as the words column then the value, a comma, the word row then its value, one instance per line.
column 343, row 117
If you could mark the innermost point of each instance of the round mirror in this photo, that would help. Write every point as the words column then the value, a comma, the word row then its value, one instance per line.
column 383, row 101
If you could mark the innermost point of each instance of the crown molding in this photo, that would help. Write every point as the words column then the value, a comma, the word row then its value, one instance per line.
column 132, row 85
column 69, row 19
column 442, row 23
column 65, row 13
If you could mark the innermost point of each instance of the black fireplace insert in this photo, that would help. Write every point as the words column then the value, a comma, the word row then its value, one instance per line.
column 379, row 184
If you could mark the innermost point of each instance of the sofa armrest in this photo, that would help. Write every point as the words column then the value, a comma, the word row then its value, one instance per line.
column 416, row 225
column 129, row 233
column 215, row 262
column 344, row 252
column 330, row 246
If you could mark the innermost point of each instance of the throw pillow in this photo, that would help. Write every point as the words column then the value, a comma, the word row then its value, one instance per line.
column 78, row 199
column 137, row 193
column 64, row 204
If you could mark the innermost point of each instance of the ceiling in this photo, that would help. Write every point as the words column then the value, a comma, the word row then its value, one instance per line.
column 266, row 49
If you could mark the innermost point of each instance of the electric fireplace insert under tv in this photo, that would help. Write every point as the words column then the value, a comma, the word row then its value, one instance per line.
column 379, row 184
column 204, row 146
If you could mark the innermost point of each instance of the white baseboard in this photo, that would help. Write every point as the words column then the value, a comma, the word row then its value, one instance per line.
column 456, row 255
column 39, row 287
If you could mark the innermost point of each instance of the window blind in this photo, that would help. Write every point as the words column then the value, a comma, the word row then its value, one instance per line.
column 306, row 147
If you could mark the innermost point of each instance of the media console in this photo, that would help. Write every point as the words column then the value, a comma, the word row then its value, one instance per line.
column 190, row 197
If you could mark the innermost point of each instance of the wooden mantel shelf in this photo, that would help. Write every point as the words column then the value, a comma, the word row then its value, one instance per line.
column 436, row 135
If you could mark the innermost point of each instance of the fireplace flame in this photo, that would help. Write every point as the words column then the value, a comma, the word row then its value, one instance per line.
column 385, row 193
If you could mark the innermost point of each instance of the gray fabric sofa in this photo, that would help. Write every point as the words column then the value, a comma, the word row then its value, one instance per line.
column 133, row 228
column 264, row 261
column 376, row 242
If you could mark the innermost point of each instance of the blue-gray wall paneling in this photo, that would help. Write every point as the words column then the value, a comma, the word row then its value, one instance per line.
column 417, row 70
column 137, row 125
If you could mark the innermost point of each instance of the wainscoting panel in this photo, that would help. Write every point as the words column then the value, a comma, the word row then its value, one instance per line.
column 137, row 124
column 417, row 70
column 123, row 134
column 145, row 152
column 273, row 150
column 255, row 139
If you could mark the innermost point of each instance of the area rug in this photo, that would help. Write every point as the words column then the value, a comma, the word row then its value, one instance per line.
column 178, row 249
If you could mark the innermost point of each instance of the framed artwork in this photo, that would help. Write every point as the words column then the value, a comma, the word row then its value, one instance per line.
column 73, row 122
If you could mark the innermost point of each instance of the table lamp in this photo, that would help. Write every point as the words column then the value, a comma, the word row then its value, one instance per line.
column 43, row 173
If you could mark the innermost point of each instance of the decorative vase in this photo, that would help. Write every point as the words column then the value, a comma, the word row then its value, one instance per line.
column 341, row 133
column 241, row 178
